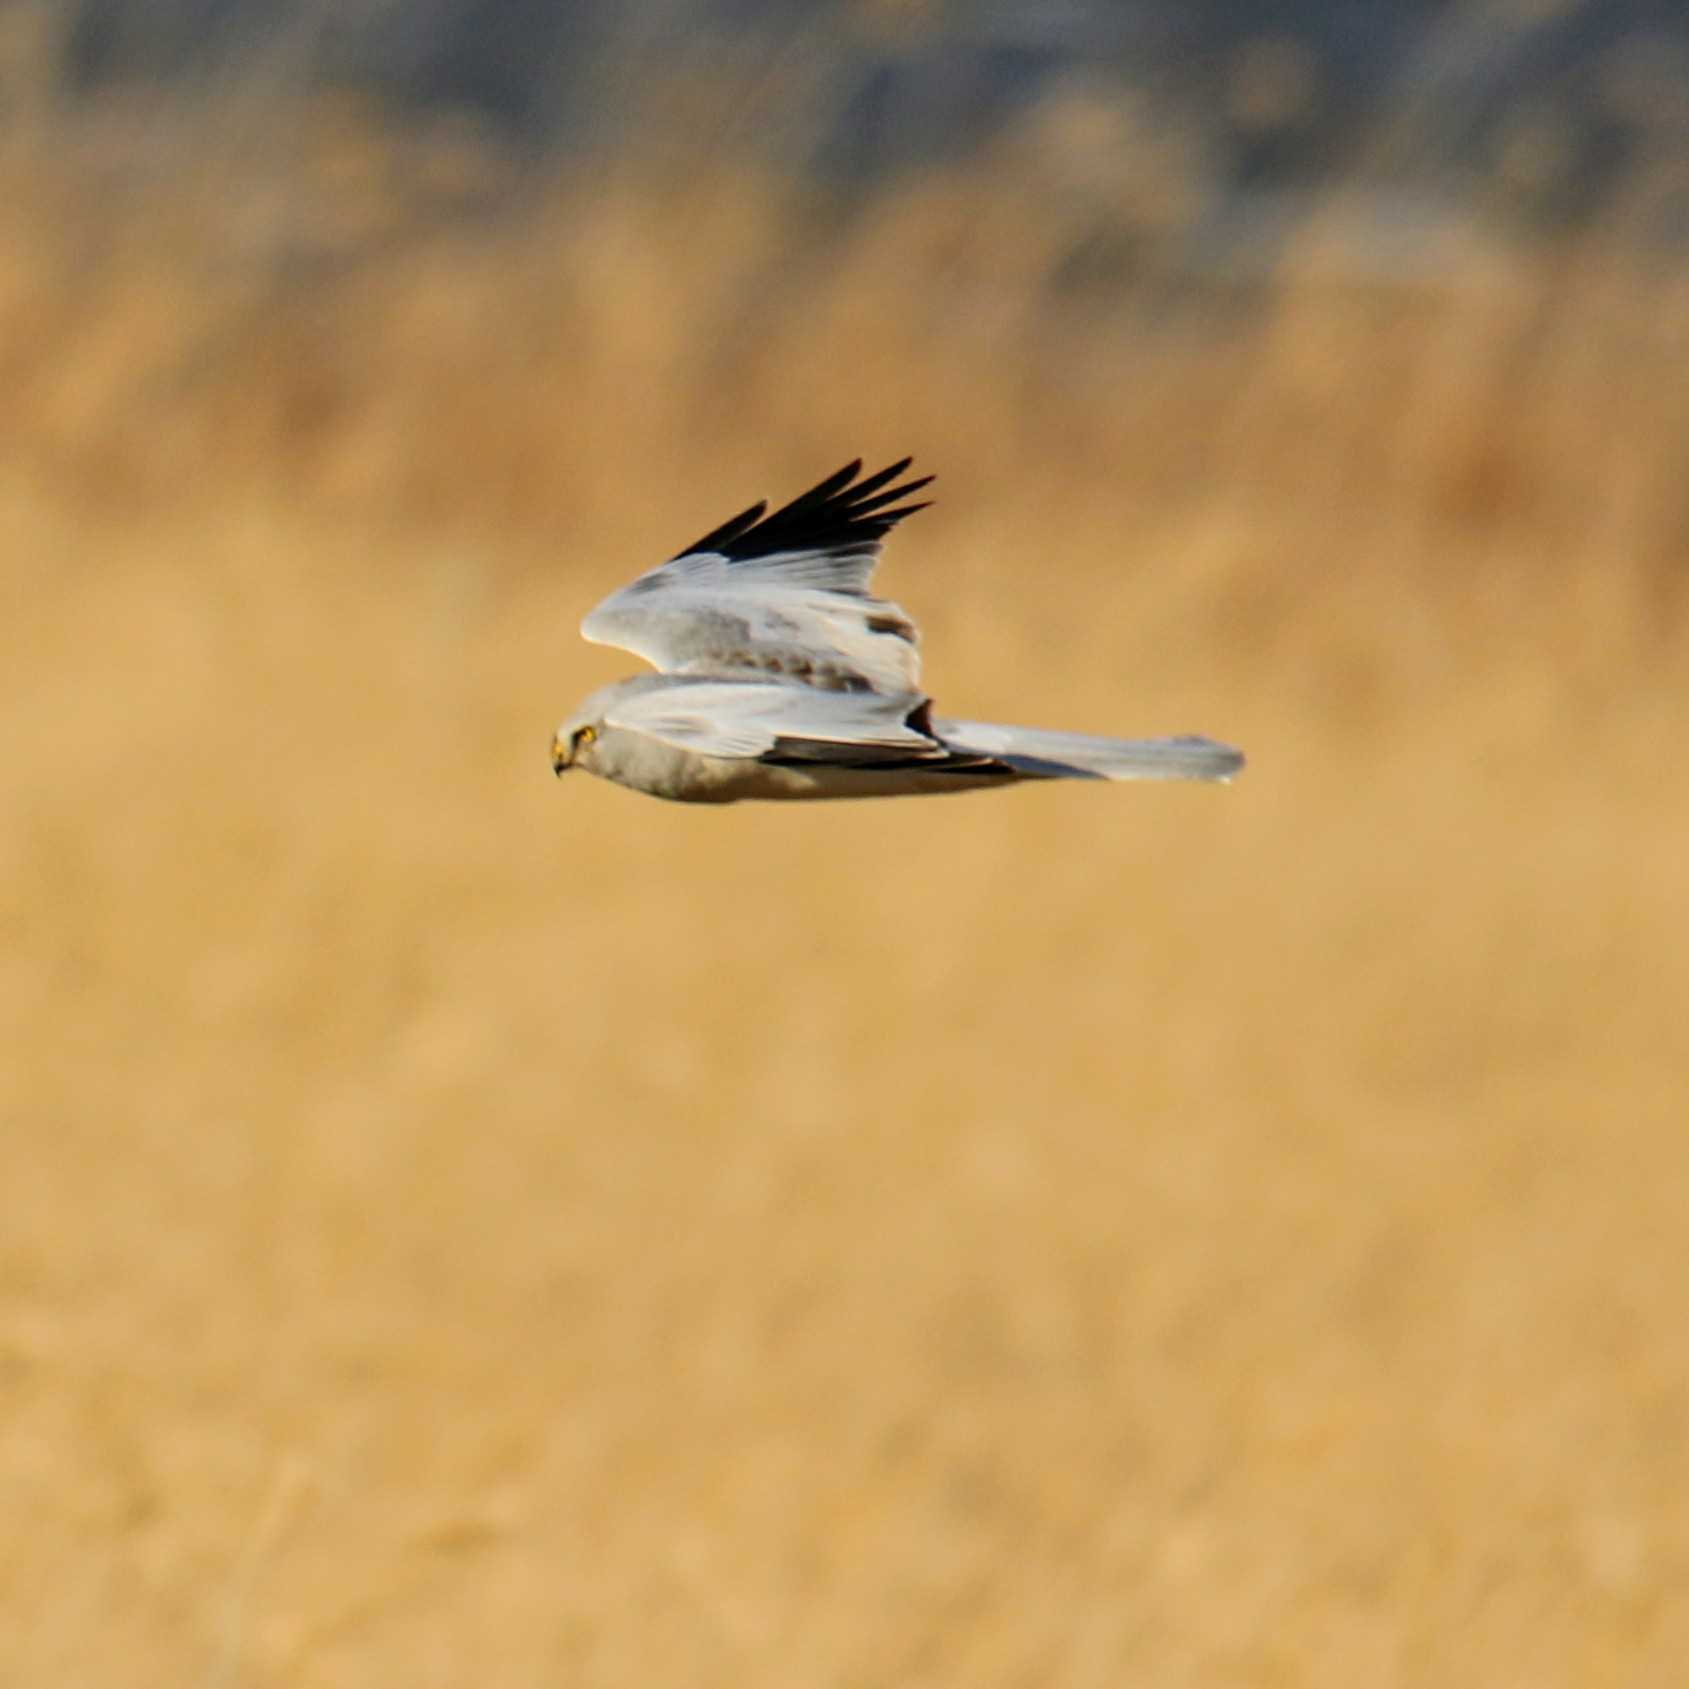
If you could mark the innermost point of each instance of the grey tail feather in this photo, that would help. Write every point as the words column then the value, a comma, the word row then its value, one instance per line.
column 1040, row 754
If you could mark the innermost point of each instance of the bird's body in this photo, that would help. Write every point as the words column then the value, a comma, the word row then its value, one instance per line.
column 782, row 677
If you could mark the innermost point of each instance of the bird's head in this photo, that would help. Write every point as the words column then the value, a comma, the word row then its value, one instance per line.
column 588, row 739
column 573, row 743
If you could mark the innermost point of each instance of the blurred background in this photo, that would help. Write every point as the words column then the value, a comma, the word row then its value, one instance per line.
column 464, row 1228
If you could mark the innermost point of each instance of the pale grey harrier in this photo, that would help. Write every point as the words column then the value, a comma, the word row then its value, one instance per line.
column 780, row 676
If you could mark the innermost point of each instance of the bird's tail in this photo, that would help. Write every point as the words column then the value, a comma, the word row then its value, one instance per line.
column 1036, row 754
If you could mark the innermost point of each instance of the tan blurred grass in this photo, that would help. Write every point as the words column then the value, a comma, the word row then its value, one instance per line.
column 466, row 1229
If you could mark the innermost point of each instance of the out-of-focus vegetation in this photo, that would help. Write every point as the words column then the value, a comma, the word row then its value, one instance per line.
column 460, row 1227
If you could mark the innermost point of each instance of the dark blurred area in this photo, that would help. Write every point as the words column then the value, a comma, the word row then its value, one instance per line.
column 1554, row 100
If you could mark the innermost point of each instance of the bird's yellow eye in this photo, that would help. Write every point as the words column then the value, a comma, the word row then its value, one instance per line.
column 585, row 736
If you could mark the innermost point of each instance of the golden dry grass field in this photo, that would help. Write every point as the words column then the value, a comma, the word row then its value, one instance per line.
column 465, row 1229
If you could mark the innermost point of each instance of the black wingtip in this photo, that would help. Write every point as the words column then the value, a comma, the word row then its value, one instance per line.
column 729, row 531
column 840, row 510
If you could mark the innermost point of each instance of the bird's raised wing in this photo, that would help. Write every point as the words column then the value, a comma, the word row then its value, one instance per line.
column 776, row 721
column 783, row 594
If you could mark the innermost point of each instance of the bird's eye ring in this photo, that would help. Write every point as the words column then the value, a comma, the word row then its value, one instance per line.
column 585, row 736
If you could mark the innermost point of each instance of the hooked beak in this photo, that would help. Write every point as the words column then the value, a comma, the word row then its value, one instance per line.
column 560, row 758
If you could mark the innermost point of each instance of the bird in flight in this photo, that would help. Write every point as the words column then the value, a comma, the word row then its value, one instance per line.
column 780, row 676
